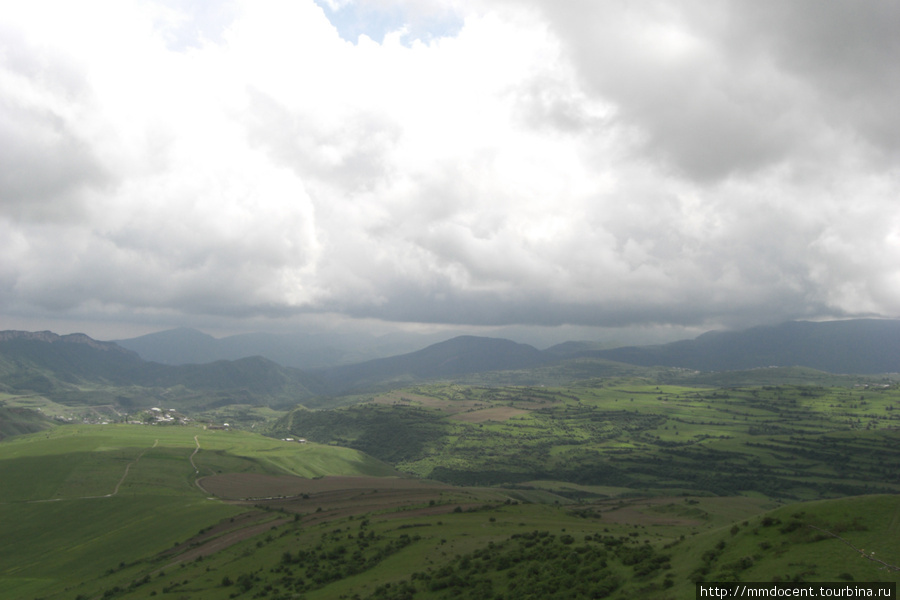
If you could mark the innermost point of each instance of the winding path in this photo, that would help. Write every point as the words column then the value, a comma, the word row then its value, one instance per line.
column 196, row 469
column 196, row 450
column 119, row 484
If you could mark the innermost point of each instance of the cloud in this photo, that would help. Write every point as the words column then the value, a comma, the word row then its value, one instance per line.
column 597, row 164
column 46, row 155
column 408, row 20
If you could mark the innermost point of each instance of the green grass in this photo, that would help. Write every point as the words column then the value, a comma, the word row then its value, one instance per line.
column 534, row 551
column 78, row 499
column 794, row 442
column 781, row 545
column 90, row 460
column 650, row 487
column 66, row 542
column 19, row 420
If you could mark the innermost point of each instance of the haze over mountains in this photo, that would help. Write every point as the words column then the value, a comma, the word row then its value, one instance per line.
column 852, row 346
column 304, row 351
column 461, row 355
column 44, row 362
column 76, row 366
column 855, row 346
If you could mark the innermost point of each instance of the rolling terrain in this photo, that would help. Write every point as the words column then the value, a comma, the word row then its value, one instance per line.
column 451, row 359
column 474, row 468
column 77, row 370
column 864, row 346
column 790, row 442
column 854, row 346
column 312, row 350
column 140, row 511
column 76, row 497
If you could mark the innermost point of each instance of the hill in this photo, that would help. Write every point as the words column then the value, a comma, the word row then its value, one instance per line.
column 83, row 500
column 131, row 512
column 42, row 361
column 855, row 346
column 456, row 357
column 18, row 421
column 790, row 442
column 313, row 350
column 78, row 369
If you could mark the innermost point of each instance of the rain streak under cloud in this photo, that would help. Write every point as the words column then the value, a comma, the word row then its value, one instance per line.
column 256, row 165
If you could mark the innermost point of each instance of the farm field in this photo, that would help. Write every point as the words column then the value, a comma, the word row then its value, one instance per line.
column 788, row 442
column 616, row 489
column 75, row 497
column 475, row 544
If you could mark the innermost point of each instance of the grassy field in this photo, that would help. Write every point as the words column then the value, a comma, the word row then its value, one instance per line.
column 471, row 543
column 75, row 498
column 616, row 489
column 792, row 442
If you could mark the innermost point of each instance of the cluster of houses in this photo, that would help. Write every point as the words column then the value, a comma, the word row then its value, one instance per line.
column 298, row 440
column 155, row 416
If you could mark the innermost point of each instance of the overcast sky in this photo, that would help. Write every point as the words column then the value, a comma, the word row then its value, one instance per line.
column 585, row 167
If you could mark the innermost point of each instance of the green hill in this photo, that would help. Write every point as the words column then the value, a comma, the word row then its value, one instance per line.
column 78, row 500
column 450, row 359
column 851, row 346
column 474, row 543
column 792, row 442
column 17, row 421
column 77, row 370
column 127, row 511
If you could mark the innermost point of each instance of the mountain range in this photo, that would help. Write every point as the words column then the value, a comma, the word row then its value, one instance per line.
column 864, row 346
column 462, row 355
column 77, row 367
column 46, row 363
column 312, row 350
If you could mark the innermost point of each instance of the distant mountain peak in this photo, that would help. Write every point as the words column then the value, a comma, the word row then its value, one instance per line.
column 846, row 346
column 457, row 356
column 52, row 338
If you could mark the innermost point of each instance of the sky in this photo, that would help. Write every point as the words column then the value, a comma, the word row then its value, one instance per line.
column 564, row 170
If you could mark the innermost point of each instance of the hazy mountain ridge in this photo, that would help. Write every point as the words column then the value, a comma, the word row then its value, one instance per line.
column 300, row 350
column 461, row 355
column 851, row 346
column 49, row 364
column 43, row 361
column 865, row 346
column 53, row 338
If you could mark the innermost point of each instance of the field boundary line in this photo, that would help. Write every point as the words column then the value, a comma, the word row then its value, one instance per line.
column 127, row 468
column 196, row 450
column 197, row 469
column 115, row 490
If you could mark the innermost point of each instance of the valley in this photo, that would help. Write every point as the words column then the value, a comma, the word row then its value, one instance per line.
column 789, row 442
column 576, row 479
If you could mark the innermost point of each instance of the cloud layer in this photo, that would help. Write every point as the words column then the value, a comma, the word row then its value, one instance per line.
column 490, row 163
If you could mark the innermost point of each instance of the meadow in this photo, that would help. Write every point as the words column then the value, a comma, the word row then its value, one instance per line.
column 473, row 544
column 789, row 442
column 616, row 488
column 77, row 499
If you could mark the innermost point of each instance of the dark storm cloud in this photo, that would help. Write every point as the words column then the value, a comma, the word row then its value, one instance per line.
column 844, row 51
column 738, row 86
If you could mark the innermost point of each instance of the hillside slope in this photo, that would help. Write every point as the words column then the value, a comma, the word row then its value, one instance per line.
column 856, row 346
column 312, row 350
column 458, row 356
column 64, row 366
